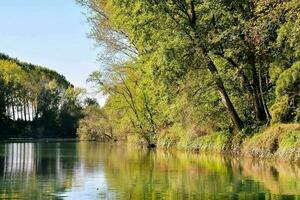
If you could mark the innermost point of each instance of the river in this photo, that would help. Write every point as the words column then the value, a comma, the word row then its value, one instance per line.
column 91, row 170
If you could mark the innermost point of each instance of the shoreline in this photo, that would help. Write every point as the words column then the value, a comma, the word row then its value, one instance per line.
column 280, row 141
column 39, row 140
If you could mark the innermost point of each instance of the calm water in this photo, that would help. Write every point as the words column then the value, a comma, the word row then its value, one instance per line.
column 89, row 170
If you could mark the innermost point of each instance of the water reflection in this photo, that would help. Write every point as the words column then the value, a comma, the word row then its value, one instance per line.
column 89, row 170
column 18, row 158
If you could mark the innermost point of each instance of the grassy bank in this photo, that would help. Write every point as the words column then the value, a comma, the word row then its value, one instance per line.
column 281, row 141
column 278, row 141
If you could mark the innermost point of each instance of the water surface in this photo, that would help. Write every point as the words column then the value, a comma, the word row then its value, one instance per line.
column 91, row 170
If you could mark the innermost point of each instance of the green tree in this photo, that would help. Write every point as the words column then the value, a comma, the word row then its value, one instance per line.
column 34, row 99
column 95, row 125
column 196, row 64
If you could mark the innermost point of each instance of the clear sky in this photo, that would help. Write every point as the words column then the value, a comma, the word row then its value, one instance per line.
column 50, row 33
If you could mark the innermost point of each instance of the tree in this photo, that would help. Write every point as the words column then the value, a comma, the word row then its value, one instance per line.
column 130, row 93
column 198, row 59
column 34, row 98
column 71, row 111
column 95, row 125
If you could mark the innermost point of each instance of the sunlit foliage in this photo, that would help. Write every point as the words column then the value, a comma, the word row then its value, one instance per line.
column 197, row 67
column 36, row 101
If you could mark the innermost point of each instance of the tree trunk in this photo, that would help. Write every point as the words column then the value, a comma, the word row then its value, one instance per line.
column 13, row 110
column 8, row 114
column 267, row 113
column 28, row 110
column 7, row 111
column 24, row 110
column 35, row 110
column 20, row 112
column 238, row 123
column 150, row 118
column 256, row 94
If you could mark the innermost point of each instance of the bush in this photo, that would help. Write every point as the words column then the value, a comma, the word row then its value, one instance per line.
column 95, row 125
column 279, row 110
column 286, row 107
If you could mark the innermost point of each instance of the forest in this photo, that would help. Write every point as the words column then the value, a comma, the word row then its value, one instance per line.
column 195, row 74
column 36, row 102
column 199, row 74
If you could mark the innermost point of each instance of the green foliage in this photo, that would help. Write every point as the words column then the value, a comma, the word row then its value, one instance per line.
column 280, row 109
column 36, row 101
column 289, row 81
column 70, row 111
column 186, row 69
column 287, row 95
column 95, row 125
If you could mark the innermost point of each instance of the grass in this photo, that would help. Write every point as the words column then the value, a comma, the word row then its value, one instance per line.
column 278, row 141
column 216, row 142
column 188, row 140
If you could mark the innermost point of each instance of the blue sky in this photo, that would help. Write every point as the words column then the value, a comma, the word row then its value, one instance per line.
column 50, row 33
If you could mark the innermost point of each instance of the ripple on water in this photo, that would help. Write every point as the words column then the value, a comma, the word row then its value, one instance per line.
column 91, row 170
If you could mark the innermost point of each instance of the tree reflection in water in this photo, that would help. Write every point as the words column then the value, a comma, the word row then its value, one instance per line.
column 91, row 170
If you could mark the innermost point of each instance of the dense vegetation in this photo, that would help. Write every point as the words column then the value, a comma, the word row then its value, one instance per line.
column 189, row 68
column 36, row 102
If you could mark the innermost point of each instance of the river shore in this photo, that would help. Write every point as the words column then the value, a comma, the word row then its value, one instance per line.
column 280, row 141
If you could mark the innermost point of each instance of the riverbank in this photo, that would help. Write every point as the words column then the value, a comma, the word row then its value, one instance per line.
column 280, row 141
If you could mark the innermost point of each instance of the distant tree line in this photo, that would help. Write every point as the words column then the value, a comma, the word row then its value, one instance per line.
column 190, row 67
column 36, row 101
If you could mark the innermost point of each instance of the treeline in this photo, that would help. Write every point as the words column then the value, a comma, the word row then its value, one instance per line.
column 36, row 101
column 187, row 68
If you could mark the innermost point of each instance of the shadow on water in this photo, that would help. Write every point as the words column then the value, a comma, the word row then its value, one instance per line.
column 90, row 170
